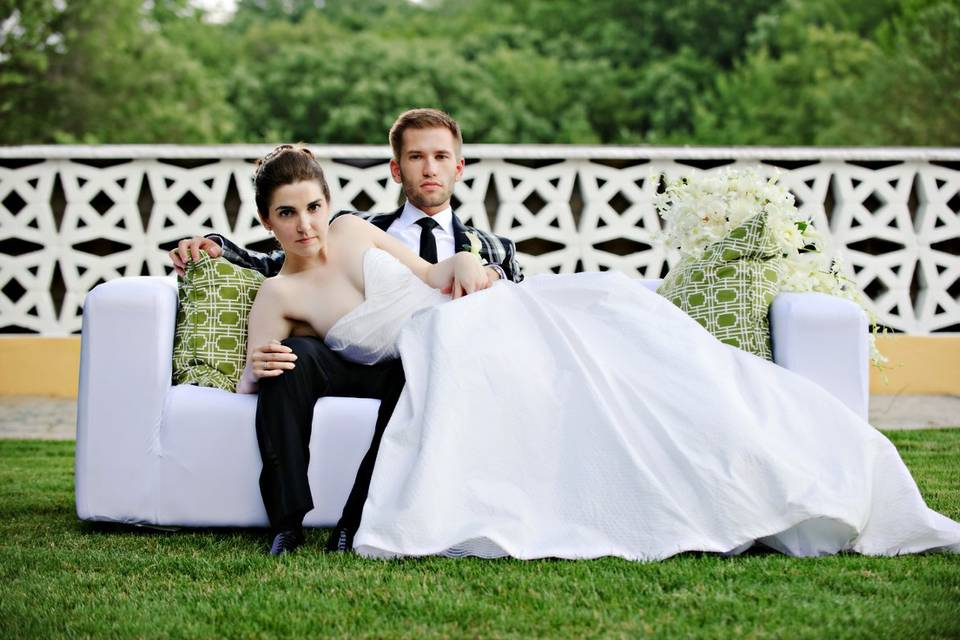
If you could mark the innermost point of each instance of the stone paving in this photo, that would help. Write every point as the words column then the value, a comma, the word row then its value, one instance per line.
column 38, row 417
column 56, row 418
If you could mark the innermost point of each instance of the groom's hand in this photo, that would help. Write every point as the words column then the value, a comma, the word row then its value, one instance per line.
column 190, row 248
column 492, row 275
column 271, row 360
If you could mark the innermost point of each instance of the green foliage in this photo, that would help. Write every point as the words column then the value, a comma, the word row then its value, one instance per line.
column 27, row 42
column 663, row 97
column 536, row 71
column 841, row 72
column 65, row 85
column 789, row 99
column 909, row 94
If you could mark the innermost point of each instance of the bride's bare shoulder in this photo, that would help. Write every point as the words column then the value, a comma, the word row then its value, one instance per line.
column 274, row 289
column 350, row 224
column 283, row 295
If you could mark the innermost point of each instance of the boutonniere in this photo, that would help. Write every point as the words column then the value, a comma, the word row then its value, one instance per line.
column 473, row 246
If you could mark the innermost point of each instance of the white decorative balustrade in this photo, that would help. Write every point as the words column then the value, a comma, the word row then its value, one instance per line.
column 73, row 216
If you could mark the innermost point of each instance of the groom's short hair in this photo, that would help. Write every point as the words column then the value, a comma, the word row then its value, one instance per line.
column 423, row 119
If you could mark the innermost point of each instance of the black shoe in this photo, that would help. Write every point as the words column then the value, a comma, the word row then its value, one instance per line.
column 286, row 542
column 341, row 539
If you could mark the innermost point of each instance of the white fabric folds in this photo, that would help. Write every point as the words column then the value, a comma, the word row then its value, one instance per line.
column 582, row 416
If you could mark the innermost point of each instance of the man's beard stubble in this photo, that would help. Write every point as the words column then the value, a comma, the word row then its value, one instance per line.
column 422, row 200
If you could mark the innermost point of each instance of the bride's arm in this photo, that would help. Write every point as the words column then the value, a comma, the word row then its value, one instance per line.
column 268, row 325
column 461, row 271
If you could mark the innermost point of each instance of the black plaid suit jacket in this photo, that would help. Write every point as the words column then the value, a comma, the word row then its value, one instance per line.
column 495, row 250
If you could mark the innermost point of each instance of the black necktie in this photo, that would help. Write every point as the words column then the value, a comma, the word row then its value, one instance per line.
column 428, row 243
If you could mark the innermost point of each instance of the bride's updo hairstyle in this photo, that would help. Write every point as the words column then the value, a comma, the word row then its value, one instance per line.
column 287, row 164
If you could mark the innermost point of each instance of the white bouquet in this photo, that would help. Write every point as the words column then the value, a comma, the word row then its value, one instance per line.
column 703, row 209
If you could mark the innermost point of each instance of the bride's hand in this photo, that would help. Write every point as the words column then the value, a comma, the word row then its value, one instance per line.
column 469, row 275
column 267, row 361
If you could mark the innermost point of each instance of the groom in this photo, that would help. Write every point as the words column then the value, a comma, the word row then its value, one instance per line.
column 427, row 161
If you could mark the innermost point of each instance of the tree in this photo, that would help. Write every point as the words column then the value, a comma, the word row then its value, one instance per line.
column 541, row 71
column 784, row 92
column 108, row 76
column 908, row 96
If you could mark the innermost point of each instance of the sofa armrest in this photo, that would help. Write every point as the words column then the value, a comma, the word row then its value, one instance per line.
column 824, row 339
column 125, row 374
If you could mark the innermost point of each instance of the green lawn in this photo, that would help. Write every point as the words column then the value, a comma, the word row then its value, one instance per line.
column 62, row 577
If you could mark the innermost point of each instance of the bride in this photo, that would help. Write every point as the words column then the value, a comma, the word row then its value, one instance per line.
column 571, row 416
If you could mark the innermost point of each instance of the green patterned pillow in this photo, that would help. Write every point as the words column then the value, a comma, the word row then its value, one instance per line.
column 729, row 288
column 210, row 344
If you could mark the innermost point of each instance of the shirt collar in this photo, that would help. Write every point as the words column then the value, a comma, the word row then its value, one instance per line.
column 411, row 214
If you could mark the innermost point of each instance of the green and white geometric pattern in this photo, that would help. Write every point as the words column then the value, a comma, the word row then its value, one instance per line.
column 210, row 344
column 729, row 288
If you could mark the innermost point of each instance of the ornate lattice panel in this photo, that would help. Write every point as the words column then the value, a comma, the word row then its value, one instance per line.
column 72, row 217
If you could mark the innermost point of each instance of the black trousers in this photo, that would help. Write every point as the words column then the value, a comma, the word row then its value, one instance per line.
column 284, row 423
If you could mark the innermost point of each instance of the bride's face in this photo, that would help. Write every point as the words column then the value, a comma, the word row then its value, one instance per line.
column 299, row 218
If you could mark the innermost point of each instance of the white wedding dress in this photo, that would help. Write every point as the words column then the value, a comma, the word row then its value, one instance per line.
column 583, row 415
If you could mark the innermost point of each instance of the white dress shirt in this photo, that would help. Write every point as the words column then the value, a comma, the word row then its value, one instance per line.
column 408, row 231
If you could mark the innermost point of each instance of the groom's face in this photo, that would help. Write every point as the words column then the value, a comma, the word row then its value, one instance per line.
column 429, row 166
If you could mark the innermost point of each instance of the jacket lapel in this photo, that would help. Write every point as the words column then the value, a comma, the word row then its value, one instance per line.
column 384, row 220
column 460, row 240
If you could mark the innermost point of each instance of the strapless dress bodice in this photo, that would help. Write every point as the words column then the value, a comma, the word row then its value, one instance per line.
column 392, row 294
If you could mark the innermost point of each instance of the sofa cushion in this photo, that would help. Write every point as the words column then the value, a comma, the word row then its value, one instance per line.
column 210, row 465
column 210, row 343
column 729, row 288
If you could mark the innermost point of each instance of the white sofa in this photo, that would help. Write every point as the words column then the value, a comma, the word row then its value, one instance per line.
column 153, row 453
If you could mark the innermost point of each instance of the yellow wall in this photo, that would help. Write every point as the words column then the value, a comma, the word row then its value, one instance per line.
column 35, row 366
column 919, row 365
